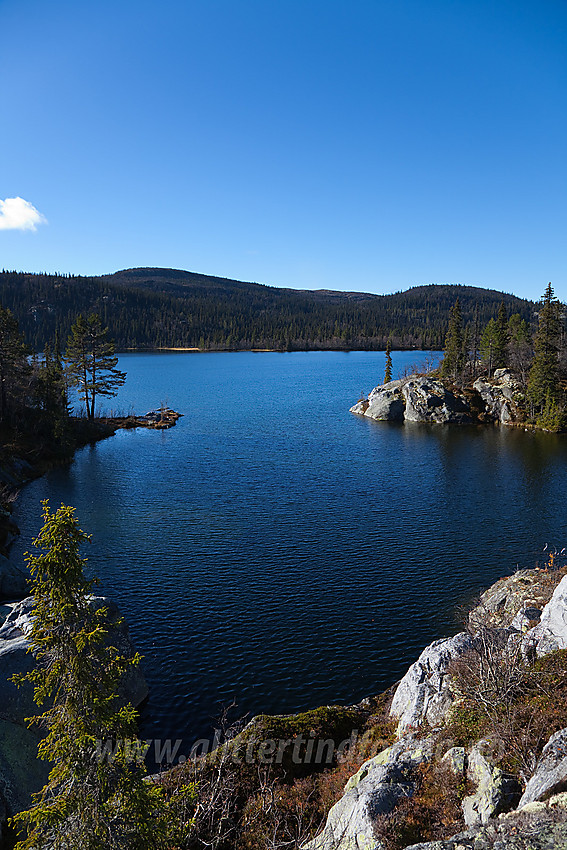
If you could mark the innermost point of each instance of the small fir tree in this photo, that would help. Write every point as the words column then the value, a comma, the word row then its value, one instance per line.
column 388, row 372
column 89, row 802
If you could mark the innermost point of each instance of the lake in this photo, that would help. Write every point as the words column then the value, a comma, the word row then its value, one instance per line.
column 274, row 549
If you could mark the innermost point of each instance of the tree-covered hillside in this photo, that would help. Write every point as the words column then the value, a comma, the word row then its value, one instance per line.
column 151, row 308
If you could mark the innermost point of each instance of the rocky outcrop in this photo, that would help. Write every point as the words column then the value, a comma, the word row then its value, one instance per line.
column 496, row 792
column 542, row 829
column 423, row 398
column 528, row 608
column 21, row 772
column 502, row 396
column 424, row 694
column 430, row 401
column 379, row 784
column 551, row 632
column 515, row 601
column 385, row 403
column 550, row 776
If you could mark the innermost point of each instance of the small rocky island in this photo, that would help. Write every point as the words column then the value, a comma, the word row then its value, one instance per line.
column 159, row 419
column 427, row 398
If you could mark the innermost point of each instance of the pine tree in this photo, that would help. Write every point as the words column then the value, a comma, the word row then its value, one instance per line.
column 89, row 802
column 91, row 362
column 543, row 383
column 388, row 372
column 454, row 356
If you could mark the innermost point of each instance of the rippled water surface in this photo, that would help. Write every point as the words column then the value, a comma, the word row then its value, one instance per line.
column 274, row 549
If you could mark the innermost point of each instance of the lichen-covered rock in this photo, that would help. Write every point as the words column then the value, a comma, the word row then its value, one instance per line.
column 550, row 775
column 424, row 694
column 538, row 826
column 456, row 760
column 428, row 400
column 496, row 791
column 350, row 823
column 551, row 632
column 374, row 790
column 525, row 590
column 502, row 396
column 385, row 402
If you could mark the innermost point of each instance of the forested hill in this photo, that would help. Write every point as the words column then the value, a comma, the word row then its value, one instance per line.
column 155, row 308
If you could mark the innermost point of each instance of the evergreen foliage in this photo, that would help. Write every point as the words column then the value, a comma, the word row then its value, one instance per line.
column 388, row 372
column 519, row 346
column 488, row 345
column 544, row 386
column 454, row 354
column 15, row 371
column 91, row 362
column 501, row 339
column 88, row 802
column 153, row 308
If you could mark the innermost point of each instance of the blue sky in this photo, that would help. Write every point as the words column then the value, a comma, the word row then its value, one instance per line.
column 366, row 145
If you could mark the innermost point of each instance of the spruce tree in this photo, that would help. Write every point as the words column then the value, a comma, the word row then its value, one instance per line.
column 488, row 345
column 543, row 383
column 501, row 339
column 91, row 362
column 520, row 347
column 15, row 371
column 388, row 372
column 475, row 341
column 89, row 802
column 454, row 355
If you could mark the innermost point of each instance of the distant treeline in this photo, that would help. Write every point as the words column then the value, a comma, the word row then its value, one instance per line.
column 160, row 308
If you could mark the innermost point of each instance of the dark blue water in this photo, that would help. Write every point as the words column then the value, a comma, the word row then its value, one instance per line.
column 274, row 549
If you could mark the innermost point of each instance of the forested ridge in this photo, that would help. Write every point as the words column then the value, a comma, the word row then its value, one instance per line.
column 155, row 308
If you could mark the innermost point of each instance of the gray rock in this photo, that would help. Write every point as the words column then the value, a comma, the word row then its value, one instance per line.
column 534, row 833
column 496, row 791
column 374, row 790
column 428, row 400
column 350, row 823
column 526, row 619
column 551, row 632
column 384, row 403
column 424, row 694
column 500, row 396
column 456, row 760
column 500, row 604
column 18, row 621
column 550, row 775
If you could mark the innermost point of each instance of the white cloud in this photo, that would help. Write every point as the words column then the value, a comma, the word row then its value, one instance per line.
column 17, row 214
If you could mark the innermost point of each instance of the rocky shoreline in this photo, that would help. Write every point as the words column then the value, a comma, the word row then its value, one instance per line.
column 427, row 399
column 500, row 809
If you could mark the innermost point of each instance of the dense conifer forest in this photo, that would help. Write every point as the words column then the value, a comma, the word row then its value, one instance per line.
column 155, row 308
